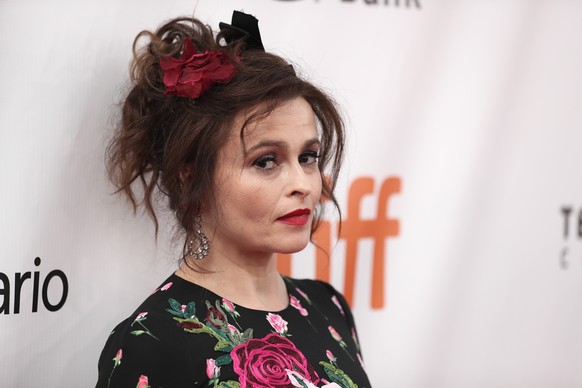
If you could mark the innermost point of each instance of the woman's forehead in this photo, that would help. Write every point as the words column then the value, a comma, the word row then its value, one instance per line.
column 261, row 121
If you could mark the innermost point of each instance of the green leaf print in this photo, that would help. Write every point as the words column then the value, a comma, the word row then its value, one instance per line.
column 190, row 310
column 175, row 305
column 225, row 359
column 223, row 346
column 139, row 320
column 337, row 375
column 229, row 384
column 216, row 324
column 238, row 338
column 247, row 335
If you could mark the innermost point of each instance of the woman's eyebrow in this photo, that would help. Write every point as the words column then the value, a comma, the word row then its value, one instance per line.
column 313, row 141
column 280, row 144
column 268, row 143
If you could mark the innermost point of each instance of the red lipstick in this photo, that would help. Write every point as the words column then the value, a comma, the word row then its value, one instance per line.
column 297, row 217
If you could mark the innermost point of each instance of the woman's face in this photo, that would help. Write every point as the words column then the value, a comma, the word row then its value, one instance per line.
column 267, row 188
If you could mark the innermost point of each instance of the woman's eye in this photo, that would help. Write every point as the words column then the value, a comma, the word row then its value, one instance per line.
column 265, row 162
column 309, row 157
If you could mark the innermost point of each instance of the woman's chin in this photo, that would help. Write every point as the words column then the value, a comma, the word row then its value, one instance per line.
column 293, row 248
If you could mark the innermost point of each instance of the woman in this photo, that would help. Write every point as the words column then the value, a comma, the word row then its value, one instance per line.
column 238, row 144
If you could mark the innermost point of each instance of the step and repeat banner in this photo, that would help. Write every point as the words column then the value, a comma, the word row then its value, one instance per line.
column 461, row 246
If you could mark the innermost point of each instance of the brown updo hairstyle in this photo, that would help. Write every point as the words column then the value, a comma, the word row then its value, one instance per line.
column 160, row 136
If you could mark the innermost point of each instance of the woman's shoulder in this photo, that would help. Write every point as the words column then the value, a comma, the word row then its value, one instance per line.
column 318, row 292
column 152, row 343
column 315, row 290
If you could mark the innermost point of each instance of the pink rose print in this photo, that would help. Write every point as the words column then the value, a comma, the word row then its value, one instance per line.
column 163, row 288
column 139, row 321
column 334, row 334
column 339, row 340
column 229, row 307
column 361, row 361
column 116, row 363
column 303, row 294
column 278, row 323
column 336, row 301
column 141, row 316
column 330, row 356
column 355, row 338
column 233, row 329
column 297, row 304
column 264, row 362
column 143, row 382
column 212, row 371
column 118, row 356
column 183, row 307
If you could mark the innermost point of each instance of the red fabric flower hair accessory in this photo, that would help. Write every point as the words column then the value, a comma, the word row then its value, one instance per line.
column 194, row 73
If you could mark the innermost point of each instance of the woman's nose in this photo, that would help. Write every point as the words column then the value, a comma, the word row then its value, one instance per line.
column 300, row 181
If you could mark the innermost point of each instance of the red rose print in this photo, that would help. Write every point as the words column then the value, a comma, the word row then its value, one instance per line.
column 216, row 318
column 265, row 362
column 189, row 325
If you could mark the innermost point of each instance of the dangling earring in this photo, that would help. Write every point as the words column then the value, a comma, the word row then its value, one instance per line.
column 198, row 246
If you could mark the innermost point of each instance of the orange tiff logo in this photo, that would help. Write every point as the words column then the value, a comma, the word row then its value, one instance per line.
column 353, row 229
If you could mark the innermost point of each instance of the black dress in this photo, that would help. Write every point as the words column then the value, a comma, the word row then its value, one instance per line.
column 184, row 335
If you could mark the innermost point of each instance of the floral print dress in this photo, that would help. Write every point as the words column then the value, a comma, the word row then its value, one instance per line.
column 184, row 335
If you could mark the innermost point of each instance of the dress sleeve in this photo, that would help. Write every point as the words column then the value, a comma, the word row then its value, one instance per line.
column 347, row 313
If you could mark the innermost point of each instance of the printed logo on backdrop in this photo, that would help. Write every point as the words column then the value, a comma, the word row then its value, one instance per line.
column 571, row 252
column 353, row 230
column 390, row 3
column 50, row 289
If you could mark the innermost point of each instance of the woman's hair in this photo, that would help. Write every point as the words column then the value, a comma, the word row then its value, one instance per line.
column 159, row 136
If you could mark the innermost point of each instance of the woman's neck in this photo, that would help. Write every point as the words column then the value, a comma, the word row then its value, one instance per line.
column 251, row 283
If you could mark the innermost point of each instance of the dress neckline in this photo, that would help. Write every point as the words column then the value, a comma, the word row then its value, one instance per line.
column 187, row 283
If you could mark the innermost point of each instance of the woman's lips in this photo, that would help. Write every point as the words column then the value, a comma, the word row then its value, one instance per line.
column 297, row 217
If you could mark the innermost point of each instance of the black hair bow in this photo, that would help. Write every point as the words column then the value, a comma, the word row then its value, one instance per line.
column 243, row 26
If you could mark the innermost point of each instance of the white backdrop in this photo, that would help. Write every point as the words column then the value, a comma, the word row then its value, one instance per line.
column 474, row 107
